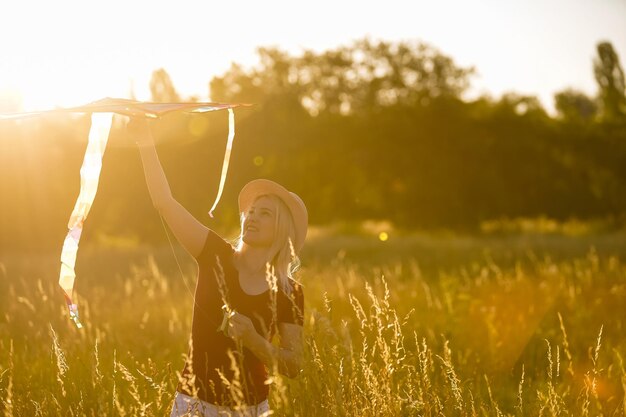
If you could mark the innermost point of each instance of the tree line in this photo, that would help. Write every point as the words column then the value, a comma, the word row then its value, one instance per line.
column 373, row 130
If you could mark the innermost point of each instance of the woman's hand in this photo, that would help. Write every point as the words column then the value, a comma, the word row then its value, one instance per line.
column 240, row 328
column 139, row 129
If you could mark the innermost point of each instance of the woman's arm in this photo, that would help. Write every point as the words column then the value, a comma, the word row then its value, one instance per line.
column 190, row 232
column 288, row 356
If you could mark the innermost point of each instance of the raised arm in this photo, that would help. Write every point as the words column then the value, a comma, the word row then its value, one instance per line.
column 187, row 229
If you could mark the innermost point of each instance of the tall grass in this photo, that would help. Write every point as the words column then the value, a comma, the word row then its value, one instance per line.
column 529, row 336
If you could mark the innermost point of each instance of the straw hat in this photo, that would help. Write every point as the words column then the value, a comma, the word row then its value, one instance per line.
column 256, row 188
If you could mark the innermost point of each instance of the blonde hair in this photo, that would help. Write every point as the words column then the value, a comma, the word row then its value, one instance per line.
column 283, row 257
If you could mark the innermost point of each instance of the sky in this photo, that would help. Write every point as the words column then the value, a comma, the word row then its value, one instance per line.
column 67, row 52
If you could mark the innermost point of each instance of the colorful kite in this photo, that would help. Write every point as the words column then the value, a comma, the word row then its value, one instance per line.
column 101, row 119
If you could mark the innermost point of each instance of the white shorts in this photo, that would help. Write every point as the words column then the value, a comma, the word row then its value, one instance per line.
column 186, row 406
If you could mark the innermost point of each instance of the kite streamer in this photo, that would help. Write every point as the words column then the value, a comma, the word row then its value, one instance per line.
column 102, row 117
column 229, row 147
column 89, row 178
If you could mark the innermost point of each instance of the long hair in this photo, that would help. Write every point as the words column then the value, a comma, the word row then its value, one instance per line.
column 283, row 258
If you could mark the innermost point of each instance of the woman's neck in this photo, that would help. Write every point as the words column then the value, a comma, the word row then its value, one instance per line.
column 252, row 260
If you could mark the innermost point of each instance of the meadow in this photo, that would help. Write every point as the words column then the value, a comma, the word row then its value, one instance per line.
column 422, row 324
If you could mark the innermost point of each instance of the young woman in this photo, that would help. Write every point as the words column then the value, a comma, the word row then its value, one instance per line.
column 245, row 295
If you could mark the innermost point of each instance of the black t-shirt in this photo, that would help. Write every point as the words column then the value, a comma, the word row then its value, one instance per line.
column 218, row 281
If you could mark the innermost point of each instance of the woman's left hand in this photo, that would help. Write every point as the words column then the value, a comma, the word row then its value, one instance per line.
column 240, row 328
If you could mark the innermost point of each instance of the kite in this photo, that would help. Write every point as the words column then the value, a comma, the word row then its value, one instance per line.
column 101, row 119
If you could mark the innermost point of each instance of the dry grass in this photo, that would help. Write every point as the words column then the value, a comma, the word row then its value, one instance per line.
column 499, row 334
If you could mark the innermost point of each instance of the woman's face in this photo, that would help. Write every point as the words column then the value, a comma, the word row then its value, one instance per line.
column 260, row 223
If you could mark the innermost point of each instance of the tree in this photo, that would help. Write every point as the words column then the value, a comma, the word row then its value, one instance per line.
column 575, row 106
column 372, row 75
column 347, row 80
column 161, row 87
column 610, row 78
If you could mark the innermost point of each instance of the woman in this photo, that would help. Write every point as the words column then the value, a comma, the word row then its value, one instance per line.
column 244, row 295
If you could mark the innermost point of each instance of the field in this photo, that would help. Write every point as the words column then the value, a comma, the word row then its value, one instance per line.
column 508, row 324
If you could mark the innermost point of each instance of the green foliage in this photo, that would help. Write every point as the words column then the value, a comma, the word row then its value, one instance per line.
column 349, row 80
column 574, row 106
column 612, row 85
column 373, row 130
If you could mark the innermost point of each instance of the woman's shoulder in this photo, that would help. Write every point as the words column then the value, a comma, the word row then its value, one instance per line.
column 293, row 285
column 291, row 308
column 294, row 291
column 214, row 245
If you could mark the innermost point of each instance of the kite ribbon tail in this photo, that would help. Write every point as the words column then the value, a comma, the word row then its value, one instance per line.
column 73, row 309
column 229, row 147
column 89, row 178
column 67, row 276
